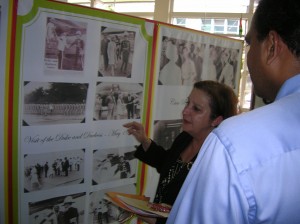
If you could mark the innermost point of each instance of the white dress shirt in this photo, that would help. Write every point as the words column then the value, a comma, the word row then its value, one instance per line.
column 248, row 169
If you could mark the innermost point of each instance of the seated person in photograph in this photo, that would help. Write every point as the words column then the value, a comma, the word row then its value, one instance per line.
column 247, row 171
column 208, row 104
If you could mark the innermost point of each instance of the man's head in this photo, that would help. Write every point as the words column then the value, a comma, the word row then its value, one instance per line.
column 274, row 39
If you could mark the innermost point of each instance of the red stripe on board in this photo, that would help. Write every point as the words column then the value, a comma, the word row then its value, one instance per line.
column 150, row 90
column 152, row 70
column 10, row 114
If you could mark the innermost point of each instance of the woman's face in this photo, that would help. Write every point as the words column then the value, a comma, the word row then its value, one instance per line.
column 225, row 55
column 196, row 114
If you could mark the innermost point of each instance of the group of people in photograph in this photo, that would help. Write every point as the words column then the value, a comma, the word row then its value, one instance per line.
column 65, row 212
column 105, row 212
column 115, row 54
column 117, row 104
column 67, row 45
column 182, row 63
column 113, row 167
column 40, row 175
column 45, row 109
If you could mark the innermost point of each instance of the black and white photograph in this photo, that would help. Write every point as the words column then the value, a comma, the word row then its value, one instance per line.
column 117, row 101
column 48, row 103
column 65, row 44
column 102, row 211
column 58, row 210
column 54, row 169
column 181, row 62
column 114, row 164
column 116, row 52
column 165, row 132
column 223, row 63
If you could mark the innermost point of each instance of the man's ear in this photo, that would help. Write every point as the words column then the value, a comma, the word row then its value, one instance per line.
column 217, row 121
column 273, row 46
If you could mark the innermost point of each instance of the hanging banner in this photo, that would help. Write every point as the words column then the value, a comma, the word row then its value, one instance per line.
column 79, row 75
column 184, row 57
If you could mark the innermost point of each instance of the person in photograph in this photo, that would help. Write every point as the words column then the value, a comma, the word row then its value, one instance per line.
column 170, row 74
column 61, row 46
column 66, row 165
column 123, row 168
column 51, row 32
column 46, row 168
column 129, row 101
column 71, row 215
column 234, row 62
column 98, row 107
column 188, row 69
column 79, row 51
column 125, row 51
column 212, row 70
column 164, row 59
column 180, row 59
column 248, row 168
column 227, row 70
column 112, row 54
column 118, row 47
column 109, row 101
column 198, row 62
column 58, row 214
column 137, row 107
column 192, row 52
column 120, row 107
column 102, row 212
column 208, row 104
column 104, row 46
column 34, row 179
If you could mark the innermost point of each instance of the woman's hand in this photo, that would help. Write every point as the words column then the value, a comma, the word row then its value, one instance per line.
column 137, row 130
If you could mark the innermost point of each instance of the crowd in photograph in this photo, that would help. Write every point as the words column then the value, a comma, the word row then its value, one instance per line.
column 35, row 174
column 116, row 50
column 66, row 109
column 117, row 104
column 182, row 63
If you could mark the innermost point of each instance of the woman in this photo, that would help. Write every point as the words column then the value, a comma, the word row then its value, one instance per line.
column 227, row 70
column 112, row 55
column 188, row 69
column 208, row 104
column 170, row 74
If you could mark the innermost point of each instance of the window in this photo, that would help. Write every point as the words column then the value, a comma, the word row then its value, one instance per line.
column 219, row 25
column 232, row 6
column 232, row 26
column 206, row 25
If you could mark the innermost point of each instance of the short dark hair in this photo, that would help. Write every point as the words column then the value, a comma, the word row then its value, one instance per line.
column 223, row 100
column 282, row 17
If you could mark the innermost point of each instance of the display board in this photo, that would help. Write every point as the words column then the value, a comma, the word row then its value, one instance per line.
column 74, row 76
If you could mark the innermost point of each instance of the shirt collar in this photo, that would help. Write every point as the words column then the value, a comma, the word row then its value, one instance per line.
column 289, row 86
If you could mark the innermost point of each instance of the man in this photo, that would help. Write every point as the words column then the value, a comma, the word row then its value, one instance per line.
column 104, row 46
column 125, row 51
column 123, row 167
column 129, row 101
column 61, row 46
column 103, row 212
column 66, row 166
column 71, row 215
column 79, row 51
column 247, row 171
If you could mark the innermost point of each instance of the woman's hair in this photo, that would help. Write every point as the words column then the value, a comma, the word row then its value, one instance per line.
column 285, row 22
column 223, row 100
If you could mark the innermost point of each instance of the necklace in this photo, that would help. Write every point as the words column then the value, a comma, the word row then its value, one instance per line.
column 188, row 154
